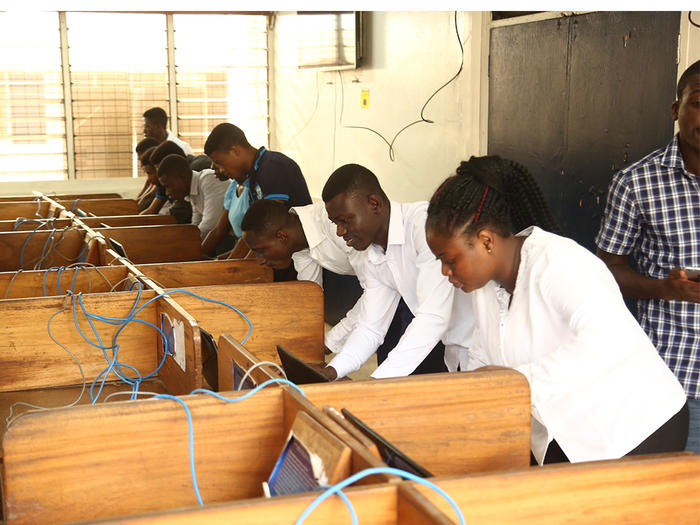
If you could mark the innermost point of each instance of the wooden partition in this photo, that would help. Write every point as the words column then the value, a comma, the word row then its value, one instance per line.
column 29, row 209
column 653, row 489
column 61, row 197
column 40, row 283
column 98, row 207
column 135, row 455
column 449, row 423
column 25, row 248
column 387, row 504
column 30, row 224
column 202, row 273
column 287, row 313
column 127, row 220
column 155, row 244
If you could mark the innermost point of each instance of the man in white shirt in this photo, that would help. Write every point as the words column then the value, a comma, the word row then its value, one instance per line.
column 201, row 188
column 395, row 262
column 155, row 125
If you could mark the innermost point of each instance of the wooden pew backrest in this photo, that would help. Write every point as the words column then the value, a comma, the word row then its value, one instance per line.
column 62, row 246
column 449, row 423
column 654, row 489
column 157, row 244
column 136, row 455
column 203, row 273
column 288, row 313
column 40, row 283
column 128, row 220
column 102, row 207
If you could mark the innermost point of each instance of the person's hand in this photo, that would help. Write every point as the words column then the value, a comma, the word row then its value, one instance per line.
column 327, row 371
column 679, row 287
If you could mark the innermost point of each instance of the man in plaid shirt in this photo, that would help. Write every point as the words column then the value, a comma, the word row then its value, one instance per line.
column 653, row 213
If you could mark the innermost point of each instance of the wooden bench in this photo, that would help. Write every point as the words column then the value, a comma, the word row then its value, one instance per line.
column 40, row 283
column 95, row 222
column 118, row 459
column 386, row 504
column 25, row 248
column 60, row 197
column 99, row 207
column 652, row 489
column 154, row 244
column 449, row 423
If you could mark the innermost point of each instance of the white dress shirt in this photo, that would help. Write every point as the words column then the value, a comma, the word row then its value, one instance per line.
column 207, row 198
column 326, row 249
column 407, row 269
column 184, row 145
column 598, row 385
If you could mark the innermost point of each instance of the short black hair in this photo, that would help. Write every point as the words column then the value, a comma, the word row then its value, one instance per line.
column 174, row 165
column 145, row 144
column 265, row 216
column 157, row 116
column 223, row 137
column 352, row 178
column 165, row 148
column 693, row 69
column 146, row 157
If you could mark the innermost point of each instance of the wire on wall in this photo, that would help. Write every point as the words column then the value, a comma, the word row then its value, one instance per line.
column 422, row 119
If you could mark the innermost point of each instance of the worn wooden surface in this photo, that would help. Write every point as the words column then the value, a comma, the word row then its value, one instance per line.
column 641, row 490
column 62, row 248
column 201, row 273
column 102, row 207
column 29, row 208
column 449, row 423
column 287, row 313
column 128, row 220
column 31, row 283
column 136, row 456
column 62, row 197
column 157, row 244
column 30, row 359
column 374, row 506
column 7, row 225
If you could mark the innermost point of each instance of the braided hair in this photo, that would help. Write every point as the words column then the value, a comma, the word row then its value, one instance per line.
column 489, row 191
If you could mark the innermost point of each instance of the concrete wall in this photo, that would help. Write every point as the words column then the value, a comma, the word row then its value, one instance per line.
column 408, row 56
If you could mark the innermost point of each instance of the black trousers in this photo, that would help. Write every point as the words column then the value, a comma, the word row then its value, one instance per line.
column 669, row 437
column 434, row 361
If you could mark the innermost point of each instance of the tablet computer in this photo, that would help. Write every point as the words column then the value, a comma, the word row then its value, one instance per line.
column 298, row 371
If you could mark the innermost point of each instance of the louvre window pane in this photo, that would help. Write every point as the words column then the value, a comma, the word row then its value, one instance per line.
column 32, row 125
column 114, row 79
column 221, row 74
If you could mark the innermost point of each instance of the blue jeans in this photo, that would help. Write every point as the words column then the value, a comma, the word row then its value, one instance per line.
column 693, row 444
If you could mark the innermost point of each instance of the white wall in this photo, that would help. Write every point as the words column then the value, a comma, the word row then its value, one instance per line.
column 689, row 43
column 408, row 56
column 126, row 187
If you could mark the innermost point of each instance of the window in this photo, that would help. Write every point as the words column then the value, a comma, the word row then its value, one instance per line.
column 32, row 124
column 221, row 72
column 117, row 64
column 113, row 81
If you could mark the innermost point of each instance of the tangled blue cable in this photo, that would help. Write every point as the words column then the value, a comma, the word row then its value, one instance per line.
column 377, row 470
column 113, row 363
column 222, row 398
column 26, row 242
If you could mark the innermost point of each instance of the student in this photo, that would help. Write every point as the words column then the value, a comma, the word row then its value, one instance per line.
column 395, row 263
column 155, row 125
column 653, row 214
column 150, row 189
column 201, row 189
column 550, row 309
column 258, row 173
column 145, row 196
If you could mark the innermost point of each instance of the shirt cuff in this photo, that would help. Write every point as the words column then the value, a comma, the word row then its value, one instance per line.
column 344, row 364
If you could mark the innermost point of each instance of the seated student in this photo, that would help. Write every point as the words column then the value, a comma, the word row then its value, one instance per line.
column 258, row 173
column 552, row 310
column 145, row 196
column 180, row 209
column 155, row 125
column 395, row 262
column 201, row 189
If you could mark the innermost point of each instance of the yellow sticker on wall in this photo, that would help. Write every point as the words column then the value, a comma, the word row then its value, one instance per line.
column 364, row 99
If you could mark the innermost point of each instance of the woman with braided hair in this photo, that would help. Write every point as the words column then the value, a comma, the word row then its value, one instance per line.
column 550, row 309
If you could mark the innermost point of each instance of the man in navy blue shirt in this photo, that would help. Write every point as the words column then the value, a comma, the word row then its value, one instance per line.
column 259, row 174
